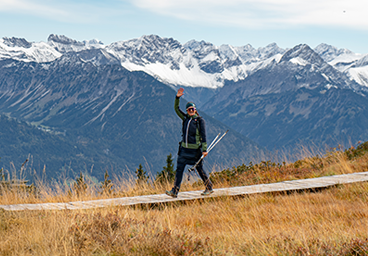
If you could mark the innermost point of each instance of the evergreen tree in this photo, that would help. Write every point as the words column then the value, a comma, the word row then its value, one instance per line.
column 106, row 185
column 168, row 173
column 80, row 186
column 142, row 176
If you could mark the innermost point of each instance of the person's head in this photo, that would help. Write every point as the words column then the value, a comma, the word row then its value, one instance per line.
column 191, row 108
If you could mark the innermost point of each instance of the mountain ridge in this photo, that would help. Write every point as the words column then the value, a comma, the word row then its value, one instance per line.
column 193, row 64
column 298, row 99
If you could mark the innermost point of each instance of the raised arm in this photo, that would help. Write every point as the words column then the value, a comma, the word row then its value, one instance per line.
column 178, row 111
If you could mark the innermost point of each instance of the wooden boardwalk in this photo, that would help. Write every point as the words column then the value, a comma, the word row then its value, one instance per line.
column 293, row 185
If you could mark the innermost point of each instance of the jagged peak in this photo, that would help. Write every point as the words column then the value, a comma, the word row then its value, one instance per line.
column 329, row 52
column 193, row 44
column 324, row 48
column 161, row 42
column 330, row 48
column 65, row 44
column 304, row 52
column 16, row 42
column 63, row 40
column 362, row 62
column 152, row 42
column 202, row 48
column 270, row 46
column 151, row 37
column 270, row 50
column 92, row 42
column 301, row 48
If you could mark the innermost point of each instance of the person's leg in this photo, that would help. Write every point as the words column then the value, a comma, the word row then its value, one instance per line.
column 207, row 182
column 180, row 166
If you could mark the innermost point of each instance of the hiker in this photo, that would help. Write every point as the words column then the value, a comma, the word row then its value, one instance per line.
column 192, row 146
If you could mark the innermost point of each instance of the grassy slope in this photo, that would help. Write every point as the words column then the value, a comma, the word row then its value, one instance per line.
column 331, row 222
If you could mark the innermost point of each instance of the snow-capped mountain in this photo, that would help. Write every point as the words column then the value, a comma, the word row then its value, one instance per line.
column 193, row 64
column 354, row 65
column 64, row 44
column 298, row 99
column 300, row 67
column 329, row 52
column 22, row 50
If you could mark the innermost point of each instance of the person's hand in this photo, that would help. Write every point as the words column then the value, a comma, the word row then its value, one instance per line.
column 204, row 154
column 180, row 93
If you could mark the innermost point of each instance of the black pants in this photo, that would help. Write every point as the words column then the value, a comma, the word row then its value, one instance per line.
column 190, row 157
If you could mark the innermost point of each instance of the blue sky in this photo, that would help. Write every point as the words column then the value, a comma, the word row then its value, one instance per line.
column 341, row 23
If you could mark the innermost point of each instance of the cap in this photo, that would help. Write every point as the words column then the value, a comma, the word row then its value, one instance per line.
column 190, row 104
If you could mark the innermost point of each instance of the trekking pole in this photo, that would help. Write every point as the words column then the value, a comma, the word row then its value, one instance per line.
column 213, row 141
column 212, row 145
column 217, row 142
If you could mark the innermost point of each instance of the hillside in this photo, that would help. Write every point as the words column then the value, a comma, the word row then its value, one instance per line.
column 116, row 119
column 21, row 141
column 324, row 222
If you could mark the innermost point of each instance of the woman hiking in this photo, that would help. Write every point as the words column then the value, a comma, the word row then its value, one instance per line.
column 192, row 146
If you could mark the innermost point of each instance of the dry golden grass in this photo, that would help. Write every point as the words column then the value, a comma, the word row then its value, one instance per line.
column 333, row 221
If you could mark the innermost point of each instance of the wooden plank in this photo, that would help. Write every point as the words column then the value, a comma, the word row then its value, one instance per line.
column 291, row 185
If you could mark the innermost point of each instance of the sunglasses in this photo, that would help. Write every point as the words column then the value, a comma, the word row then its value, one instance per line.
column 190, row 109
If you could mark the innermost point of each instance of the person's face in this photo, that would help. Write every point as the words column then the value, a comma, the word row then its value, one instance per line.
column 191, row 111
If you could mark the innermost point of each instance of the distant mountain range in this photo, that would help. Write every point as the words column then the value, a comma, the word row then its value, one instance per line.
column 113, row 103
column 97, row 117
column 298, row 100
column 195, row 63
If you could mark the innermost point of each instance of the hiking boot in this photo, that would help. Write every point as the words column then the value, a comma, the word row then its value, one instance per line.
column 171, row 193
column 207, row 192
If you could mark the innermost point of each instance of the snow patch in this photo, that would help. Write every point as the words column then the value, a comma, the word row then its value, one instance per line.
column 38, row 52
column 326, row 77
column 360, row 75
column 299, row 61
column 346, row 58
column 329, row 86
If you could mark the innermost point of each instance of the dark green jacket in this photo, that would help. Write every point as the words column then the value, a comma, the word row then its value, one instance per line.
column 193, row 130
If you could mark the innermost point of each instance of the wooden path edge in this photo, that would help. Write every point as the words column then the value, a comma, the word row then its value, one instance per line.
column 292, row 185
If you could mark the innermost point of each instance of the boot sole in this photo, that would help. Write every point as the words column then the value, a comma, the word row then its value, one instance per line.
column 173, row 196
column 207, row 194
